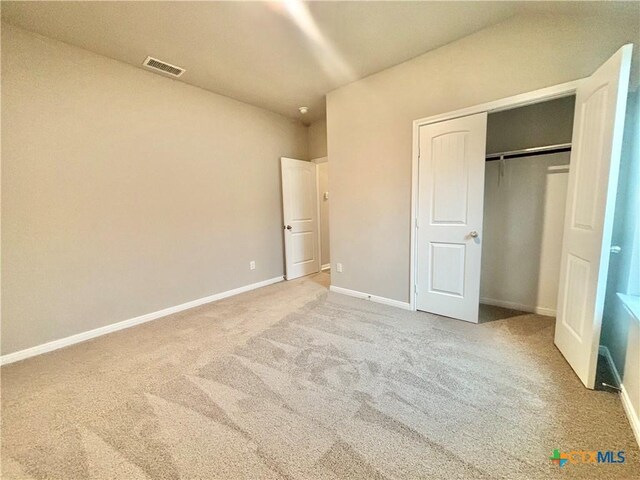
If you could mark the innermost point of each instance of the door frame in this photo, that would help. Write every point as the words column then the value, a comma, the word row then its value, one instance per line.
column 507, row 103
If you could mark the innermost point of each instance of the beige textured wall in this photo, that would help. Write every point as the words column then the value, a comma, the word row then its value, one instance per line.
column 317, row 150
column 370, row 127
column 124, row 192
column 323, row 187
column 318, row 139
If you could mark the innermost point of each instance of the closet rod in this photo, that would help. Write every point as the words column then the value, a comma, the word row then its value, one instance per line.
column 529, row 152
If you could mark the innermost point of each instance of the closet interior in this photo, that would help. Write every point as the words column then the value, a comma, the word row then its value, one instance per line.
column 526, row 178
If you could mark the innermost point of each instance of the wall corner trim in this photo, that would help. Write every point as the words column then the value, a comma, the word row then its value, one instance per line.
column 114, row 327
column 632, row 415
column 373, row 298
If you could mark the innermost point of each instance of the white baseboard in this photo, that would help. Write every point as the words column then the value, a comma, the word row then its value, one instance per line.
column 549, row 312
column 632, row 415
column 114, row 327
column 326, row 266
column 373, row 298
column 519, row 306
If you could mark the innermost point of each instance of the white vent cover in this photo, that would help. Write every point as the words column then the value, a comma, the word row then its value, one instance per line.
column 163, row 67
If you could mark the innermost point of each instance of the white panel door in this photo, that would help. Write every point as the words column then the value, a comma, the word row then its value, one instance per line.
column 300, row 213
column 593, row 179
column 449, row 228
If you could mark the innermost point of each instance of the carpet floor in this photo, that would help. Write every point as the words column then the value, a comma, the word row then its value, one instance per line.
column 293, row 382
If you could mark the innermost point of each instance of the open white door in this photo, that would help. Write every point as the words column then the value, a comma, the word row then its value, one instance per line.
column 449, row 230
column 593, row 179
column 300, row 213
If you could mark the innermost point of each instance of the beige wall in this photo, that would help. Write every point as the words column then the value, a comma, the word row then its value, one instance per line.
column 369, row 126
column 318, row 139
column 318, row 150
column 323, row 187
column 124, row 192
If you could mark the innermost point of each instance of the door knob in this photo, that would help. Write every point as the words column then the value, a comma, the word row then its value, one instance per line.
column 473, row 234
column 288, row 227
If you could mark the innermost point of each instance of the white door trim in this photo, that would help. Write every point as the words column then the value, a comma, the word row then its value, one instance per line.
column 520, row 100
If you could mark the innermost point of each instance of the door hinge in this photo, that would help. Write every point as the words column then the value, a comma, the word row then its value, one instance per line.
column 417, row 223
column 415, row 289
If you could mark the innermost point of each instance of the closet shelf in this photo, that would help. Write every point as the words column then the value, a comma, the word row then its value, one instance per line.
column 529, row 152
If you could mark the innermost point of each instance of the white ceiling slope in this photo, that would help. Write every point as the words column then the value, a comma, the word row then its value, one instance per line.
column 277, row 55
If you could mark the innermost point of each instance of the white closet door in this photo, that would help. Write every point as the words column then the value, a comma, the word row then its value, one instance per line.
column 450, row 209
column 593, row 179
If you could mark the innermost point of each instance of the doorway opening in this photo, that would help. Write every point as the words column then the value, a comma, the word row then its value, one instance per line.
column 525, row 188
column 305, row 213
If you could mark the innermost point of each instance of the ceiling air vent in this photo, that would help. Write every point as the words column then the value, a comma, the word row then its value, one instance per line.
column 163, row 67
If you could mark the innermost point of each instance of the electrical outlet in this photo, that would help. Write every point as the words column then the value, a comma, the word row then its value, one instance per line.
column 252, row 265
column 339, row 267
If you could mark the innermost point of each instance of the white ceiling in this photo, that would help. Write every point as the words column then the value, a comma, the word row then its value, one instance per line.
column 264, row 53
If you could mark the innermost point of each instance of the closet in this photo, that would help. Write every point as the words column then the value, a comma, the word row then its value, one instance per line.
column 491, row 186
column 526, row 178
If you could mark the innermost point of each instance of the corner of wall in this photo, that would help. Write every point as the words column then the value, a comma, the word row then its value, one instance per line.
column 317, row 137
